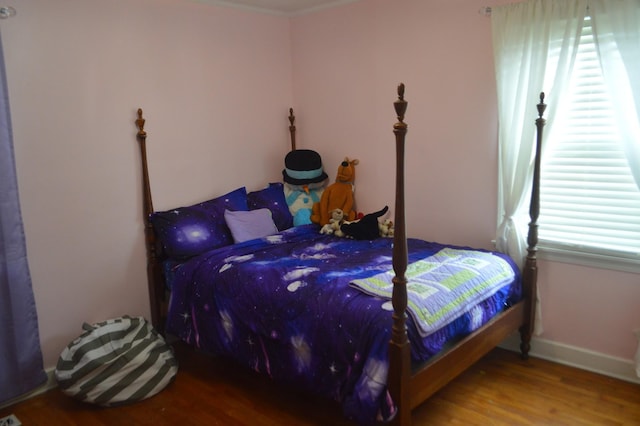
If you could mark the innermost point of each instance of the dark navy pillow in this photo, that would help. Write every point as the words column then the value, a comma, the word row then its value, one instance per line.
column 188, row 231
column 272, row 198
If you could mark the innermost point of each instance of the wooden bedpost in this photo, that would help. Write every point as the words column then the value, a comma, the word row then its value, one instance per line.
column 292, row 129
column 154, row 273
column 399, row 373
column 530, row 272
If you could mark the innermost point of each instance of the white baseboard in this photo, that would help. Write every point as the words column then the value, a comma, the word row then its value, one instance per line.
column 50, row 384
column 618, row 368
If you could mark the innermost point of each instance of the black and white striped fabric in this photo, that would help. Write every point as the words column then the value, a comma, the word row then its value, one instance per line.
column 115, row 362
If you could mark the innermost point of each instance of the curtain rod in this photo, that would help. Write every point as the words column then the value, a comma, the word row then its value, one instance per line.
column 7, row 12
column 485, row 10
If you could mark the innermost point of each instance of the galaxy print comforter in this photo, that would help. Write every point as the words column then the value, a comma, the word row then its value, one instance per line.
column 283, row 305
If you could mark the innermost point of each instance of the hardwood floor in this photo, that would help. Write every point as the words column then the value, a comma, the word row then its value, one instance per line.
column 500, row 389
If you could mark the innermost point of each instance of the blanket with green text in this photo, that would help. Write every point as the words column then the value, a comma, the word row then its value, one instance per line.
column 442, row 286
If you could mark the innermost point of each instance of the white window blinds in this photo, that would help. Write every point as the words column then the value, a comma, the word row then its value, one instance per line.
column 589, row 199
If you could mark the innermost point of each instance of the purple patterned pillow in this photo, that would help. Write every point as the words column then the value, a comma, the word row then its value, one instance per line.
column 272, row 198
column 188, row 231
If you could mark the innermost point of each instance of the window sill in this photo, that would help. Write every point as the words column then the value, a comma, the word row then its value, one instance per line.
column 603, row 260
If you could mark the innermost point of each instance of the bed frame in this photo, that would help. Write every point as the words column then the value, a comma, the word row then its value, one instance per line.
column 409, row 385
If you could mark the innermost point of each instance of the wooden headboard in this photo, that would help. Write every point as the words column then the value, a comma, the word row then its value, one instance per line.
column 158, row 295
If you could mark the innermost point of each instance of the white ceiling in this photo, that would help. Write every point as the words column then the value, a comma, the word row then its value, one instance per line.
column 279, row 7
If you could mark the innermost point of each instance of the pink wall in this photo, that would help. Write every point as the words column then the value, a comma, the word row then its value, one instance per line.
column 591, row 308
column 347, row 62
column 216, row 84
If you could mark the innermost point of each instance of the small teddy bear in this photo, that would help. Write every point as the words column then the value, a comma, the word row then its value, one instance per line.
column 333, row 227
column 386, row 228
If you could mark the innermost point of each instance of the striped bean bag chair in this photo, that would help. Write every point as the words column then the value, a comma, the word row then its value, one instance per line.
column 116, row 362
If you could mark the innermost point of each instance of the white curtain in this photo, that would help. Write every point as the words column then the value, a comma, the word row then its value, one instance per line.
column 617, row 32
column 616, row 25
column 523, row 35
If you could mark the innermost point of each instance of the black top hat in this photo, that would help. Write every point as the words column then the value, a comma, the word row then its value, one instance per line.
column 303, row 167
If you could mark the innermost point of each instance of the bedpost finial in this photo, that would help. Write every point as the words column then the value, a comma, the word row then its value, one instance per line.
column 292, row 117
column 292, row 129
column 140, row 122
column 400, row 105
column 541, row 106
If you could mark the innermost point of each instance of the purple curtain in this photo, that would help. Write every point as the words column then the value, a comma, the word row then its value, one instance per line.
column 20, row 356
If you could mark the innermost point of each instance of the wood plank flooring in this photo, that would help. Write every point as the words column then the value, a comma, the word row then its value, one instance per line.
column 500, row 389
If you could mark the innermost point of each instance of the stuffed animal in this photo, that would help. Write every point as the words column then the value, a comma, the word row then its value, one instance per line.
column 304, row 183
column 338, row 195
column 386, row 228
column 333, row 227
column 365, row 228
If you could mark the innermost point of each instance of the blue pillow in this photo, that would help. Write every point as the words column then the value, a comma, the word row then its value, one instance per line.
column 250, row 225
column 188, row 231
column 272, row 198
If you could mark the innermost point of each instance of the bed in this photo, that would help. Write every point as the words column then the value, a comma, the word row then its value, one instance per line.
column 347, row 319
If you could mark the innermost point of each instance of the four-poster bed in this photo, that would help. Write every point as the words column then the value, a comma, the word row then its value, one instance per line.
column 416, row 366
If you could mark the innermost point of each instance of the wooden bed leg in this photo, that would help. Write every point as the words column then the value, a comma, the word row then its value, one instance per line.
column 399, row 376
column 530, row 273
column 526, row 331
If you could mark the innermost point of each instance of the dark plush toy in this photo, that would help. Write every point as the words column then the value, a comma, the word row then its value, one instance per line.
column 365, row 228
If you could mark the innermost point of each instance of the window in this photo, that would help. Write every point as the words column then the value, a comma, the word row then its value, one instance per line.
column 590, row 202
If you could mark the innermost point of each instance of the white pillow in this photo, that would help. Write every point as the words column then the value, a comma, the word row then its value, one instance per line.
column 249, row 225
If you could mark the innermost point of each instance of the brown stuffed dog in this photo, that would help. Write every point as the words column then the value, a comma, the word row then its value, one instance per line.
column 338, row 195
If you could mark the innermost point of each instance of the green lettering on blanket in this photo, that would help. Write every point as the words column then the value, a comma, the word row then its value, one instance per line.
column 433, row 317
column 442, row 286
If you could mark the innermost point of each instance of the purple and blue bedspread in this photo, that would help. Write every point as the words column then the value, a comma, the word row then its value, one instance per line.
column 286, row 306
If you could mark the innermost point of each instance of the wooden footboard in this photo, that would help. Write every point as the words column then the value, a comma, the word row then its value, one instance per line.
column 409, row 385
